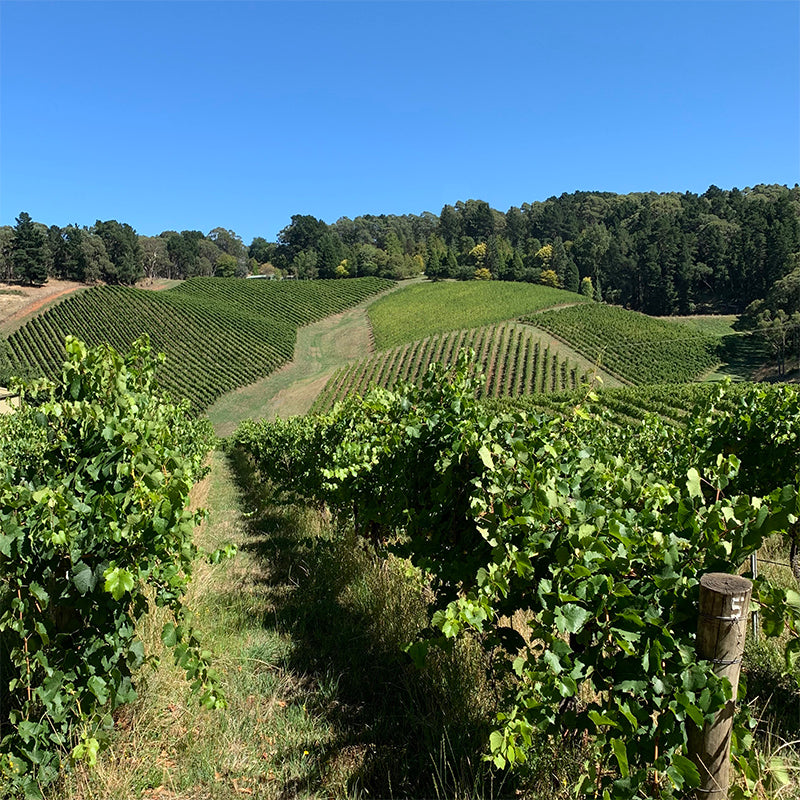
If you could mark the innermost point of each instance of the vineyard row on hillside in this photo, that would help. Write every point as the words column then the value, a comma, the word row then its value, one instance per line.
column 634, row 347
column 297, row 303
column 623, row 405
column 429, row 309
column 513, row 359
column 217, row 334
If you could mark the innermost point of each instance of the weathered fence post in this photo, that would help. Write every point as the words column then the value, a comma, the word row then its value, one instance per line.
column 721, row 628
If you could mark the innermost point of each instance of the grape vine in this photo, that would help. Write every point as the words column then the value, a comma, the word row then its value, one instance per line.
column 597, row 535
column 95, row 474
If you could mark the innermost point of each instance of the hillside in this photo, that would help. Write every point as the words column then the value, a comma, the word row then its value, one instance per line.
column 277, row 614
column 426, row 309
column 218, row 334
column 18, row 303
column 636, row 348
column 513, row 359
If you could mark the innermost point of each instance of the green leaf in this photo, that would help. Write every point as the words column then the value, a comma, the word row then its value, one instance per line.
column 793, row 599
column 88, row 750
column 118, row 581
column 83, row 577
column 601, row 719
column 552, row 661
column 779, row 771
column 169, row 635
column 687, row 769
column 418, row 652
column 486, row 457
column 570, row 618
column 621, row 754
column 693, row 483
column 99, row 688
column 792, row 654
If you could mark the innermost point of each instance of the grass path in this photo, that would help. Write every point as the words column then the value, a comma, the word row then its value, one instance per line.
column 269, row 742
column 307, row 632
column 321, row 348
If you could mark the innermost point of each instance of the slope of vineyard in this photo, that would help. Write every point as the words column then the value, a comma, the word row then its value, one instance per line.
column 514, row 360
column 295, row 302
column 636, row 348
column 425, row 309
column 218, row 334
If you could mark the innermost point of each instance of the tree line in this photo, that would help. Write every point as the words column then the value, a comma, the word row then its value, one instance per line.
column 668, row 253
column 112, row 252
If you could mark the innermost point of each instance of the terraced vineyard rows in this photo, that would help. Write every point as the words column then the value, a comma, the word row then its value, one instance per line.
column 512, row 357
column 218, row 334
column 634, row 347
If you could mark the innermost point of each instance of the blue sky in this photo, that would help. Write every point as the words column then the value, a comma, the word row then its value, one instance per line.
column 186, row 115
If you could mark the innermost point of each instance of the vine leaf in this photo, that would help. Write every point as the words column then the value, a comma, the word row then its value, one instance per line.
column 570, row 618
column 693, row 483
column 83, row 577
column 118, row 581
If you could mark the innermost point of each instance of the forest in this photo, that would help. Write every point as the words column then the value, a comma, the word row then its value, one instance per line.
column 663, row 254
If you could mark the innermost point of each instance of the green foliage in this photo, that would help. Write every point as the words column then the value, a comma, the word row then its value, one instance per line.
column 218, row 333
column 96, row 472
column 124, row 264
column 597, row 535
column 421, row 310
column 632, row 346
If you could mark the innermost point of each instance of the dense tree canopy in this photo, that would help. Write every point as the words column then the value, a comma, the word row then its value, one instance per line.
column 667, row 253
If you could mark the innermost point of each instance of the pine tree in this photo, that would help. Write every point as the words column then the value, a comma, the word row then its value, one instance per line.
column 28, row 251
column 572, row 279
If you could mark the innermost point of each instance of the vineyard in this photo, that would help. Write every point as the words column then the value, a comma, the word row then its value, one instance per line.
column 218, row 334
column 636, row 348
column 512, row 358
column 621, row 405
column 96, row 533
column 428, row 309
column 549, row 534
column 596, row 535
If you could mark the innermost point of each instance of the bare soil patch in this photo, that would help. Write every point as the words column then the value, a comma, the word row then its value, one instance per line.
column 19, row 303
column 8, row 401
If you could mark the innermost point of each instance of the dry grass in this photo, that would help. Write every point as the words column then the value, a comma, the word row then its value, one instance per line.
column 18, row 303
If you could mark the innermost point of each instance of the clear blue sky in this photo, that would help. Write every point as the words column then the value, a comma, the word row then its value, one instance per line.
column 185, row 115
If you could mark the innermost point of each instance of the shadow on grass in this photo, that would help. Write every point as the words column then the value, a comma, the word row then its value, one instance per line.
column 398, row 731
column 743, row 356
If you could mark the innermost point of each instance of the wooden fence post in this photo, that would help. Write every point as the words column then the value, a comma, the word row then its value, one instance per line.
column 721, row 628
